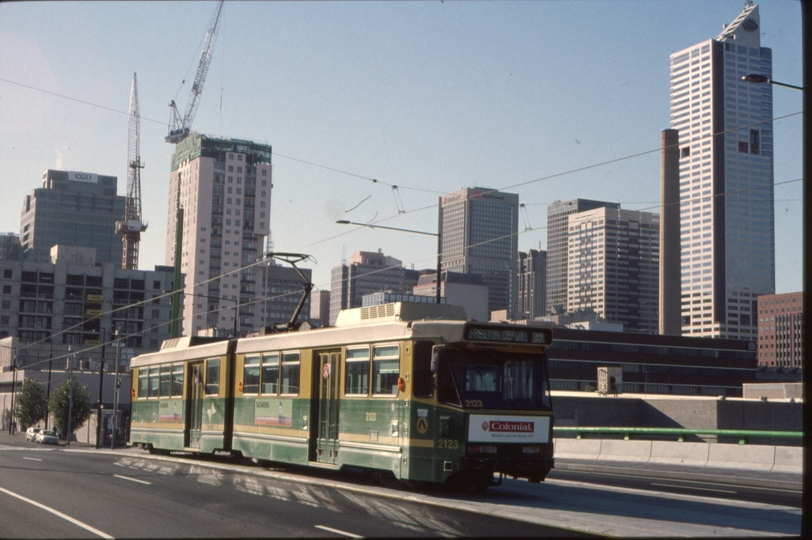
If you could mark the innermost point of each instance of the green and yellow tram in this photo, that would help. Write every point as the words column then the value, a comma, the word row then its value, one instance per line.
column 413, row 390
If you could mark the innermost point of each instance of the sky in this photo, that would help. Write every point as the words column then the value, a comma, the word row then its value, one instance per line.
column 375, row 109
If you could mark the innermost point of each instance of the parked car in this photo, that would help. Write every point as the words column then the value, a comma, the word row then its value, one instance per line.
column 46, row 436
column 31, row 433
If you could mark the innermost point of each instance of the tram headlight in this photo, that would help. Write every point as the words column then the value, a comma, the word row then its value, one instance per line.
column 531, row 450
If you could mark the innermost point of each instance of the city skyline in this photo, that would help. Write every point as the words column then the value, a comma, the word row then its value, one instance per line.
column 505, row 113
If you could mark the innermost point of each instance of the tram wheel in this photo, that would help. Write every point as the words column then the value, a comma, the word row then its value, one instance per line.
column 482, row 480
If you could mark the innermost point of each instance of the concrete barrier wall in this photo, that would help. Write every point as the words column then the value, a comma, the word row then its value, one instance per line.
column 785, row 459
column 589, row 409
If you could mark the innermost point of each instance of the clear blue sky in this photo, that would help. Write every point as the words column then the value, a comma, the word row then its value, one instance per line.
column 429, row 96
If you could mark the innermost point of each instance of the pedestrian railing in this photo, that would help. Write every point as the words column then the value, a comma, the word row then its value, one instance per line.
column 679, row 433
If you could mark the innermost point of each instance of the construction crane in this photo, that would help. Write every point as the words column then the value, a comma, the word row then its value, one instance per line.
column 181, row 126
column 130, row 227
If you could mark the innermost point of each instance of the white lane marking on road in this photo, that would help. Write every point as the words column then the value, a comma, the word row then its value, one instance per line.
column 693, row 487
column 336, row 531
column 133, row 479
column 32, row 458
column 57, row 513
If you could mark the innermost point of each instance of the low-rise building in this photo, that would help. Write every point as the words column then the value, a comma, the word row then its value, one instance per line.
column 82, row 305
column 780, row 325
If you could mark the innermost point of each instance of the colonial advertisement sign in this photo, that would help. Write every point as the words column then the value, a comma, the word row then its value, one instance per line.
column 508, row 429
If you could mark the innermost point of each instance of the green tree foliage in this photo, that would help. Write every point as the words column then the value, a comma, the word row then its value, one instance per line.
column 31, row 405
column 59, row 404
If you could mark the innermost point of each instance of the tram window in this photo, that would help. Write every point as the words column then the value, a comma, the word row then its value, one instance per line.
column 290, row 373
column 143, row 378
column 251, row 375
column 212, row 377
column 166, row 380
column 177, row 380
column 421, row 369
column 385, row 370
column 153, row 382
column 357, row 379
column 270, row 374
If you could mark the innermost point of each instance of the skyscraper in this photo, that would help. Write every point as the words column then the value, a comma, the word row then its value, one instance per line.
column 479, row 235
column 532, row 283
column 367, row 272
column 726, row 179
column 557, row 215
column 72, row 209
column 614, row 266
column 224, row 187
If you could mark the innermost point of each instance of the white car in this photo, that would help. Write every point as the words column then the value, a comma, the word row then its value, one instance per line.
column 46, row 436
column 31, row 433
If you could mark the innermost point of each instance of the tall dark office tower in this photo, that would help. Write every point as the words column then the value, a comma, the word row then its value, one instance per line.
column 727, row 224
column 479, row 235
column 72, row 209
column 532, row 283
column 557, row 215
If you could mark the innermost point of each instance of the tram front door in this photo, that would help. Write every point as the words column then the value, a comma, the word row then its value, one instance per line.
column 194, row 406
column 326, row 381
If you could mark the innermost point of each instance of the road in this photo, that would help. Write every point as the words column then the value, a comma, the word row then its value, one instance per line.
column 706, row 488
column 59, row 493
column 128, row 493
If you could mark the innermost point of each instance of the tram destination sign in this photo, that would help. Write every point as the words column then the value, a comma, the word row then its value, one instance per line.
column 541, row 336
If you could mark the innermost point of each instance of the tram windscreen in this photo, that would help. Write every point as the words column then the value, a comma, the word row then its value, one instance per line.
column 493, row 380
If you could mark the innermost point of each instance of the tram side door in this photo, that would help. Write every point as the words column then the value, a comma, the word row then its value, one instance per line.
column 326, row 384
column 194, row 408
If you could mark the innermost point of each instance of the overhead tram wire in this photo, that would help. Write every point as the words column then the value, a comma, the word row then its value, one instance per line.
column 93, row 347
column 135, row 304
column 400, row 186
column 433, row 206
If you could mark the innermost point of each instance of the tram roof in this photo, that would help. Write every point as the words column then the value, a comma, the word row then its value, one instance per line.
column 177, row 349
column 399, row 320
column 400, row 311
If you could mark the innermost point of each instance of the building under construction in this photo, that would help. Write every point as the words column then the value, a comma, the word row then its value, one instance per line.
column 224, row 188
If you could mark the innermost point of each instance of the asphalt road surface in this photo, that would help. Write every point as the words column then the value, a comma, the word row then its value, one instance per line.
column 48, row 492
column 58, row 493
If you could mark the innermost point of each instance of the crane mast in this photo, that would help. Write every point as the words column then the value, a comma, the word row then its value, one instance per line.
column 180, row 126
column 130, row 227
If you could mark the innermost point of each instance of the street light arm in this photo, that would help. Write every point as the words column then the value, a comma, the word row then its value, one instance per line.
column 760, row 79
column 371, row 226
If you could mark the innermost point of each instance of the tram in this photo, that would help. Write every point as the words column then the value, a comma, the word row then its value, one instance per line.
column 414, row 390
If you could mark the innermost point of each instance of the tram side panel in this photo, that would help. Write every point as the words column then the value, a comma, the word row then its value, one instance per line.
column 272, row 406
column 182, row 406
column 371, row 421
column 158, row 407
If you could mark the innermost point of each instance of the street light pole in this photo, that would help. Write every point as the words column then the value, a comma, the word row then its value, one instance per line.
column 437, row 234
column 13, row 390
column 115, row 398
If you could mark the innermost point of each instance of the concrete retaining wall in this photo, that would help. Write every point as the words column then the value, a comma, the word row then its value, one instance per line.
column 785, row 459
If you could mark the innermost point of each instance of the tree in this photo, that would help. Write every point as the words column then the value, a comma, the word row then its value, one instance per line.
column 60, row 403
column 31, row 405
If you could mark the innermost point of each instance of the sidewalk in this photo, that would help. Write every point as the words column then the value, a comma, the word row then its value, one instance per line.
column 738, row 477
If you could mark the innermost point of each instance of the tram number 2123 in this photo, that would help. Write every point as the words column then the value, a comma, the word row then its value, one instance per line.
column 448, row 444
